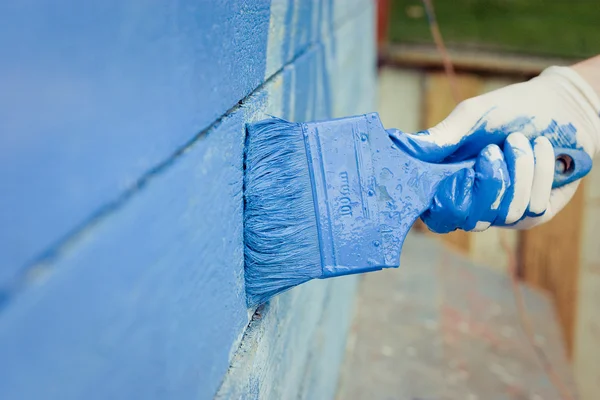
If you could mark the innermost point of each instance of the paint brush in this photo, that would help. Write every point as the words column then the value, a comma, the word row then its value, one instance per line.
column 337, row 197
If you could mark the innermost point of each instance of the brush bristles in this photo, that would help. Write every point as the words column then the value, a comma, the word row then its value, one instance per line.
column 280, row 232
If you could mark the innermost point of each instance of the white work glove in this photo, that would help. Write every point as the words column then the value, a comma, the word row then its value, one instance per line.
column 511, row 131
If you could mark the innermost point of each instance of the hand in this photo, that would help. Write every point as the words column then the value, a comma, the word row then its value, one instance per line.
column 511, row 131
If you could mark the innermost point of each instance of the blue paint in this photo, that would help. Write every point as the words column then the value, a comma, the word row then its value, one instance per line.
column 451, row 205
column 98, row 93
column 581, row 163
column 147, row 300
column 465, row 199
column 280, row 229
column 306, row 102
column 299, row 35
column 308, row 339
column 285, row 51
column 148, row 304
column 492, row 181
column 481, row 135
column 469, row 145
column 561, row 135
column 470, row 196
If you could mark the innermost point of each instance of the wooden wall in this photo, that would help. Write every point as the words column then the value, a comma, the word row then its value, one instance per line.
column 121, row 222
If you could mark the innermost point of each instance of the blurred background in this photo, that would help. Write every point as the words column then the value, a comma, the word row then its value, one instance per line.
column 452, row 334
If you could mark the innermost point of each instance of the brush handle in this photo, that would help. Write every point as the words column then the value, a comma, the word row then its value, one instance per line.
column 570, row 165
column 368, row 191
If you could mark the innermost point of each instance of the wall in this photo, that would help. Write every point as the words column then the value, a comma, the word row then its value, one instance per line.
column 121, row 266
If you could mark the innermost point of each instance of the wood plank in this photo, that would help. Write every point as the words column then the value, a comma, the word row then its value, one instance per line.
column 438, row 104
column 149, row 303
column 469, row 60
column 586, row 355
column 305, row 329
column 116, row 87
column 549, row 258
column 119, row 86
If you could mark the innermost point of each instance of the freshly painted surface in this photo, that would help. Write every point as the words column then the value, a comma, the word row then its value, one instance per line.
column 293, row 348
column 147, row 300
column 294, row 356
column 95, row 94
column 148, row 303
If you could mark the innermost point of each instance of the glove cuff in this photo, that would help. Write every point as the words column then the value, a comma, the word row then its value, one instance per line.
column 584, row 95
column 578, row 83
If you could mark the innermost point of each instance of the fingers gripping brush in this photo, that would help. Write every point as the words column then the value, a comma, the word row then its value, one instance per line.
column 337, row 197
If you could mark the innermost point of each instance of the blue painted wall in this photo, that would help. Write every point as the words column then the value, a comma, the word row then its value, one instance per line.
column 121, row 262
column 97, row 93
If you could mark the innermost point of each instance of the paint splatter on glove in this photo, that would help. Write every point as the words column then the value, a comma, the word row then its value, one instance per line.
column 511, row 131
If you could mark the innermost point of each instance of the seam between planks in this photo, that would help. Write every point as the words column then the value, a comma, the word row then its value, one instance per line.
column 250, row 335
column 41, row 264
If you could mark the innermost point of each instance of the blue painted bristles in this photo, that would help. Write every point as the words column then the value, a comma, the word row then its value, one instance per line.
column 280, row 232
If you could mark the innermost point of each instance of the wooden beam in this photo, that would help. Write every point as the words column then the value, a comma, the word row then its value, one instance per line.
column 468, row 60
column 438, row 104
column 549, row 258
column 383, row 12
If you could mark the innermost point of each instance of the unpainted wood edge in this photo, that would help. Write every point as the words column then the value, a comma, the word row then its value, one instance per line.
column 559, row 275
column 438, row 104
column 471, row 60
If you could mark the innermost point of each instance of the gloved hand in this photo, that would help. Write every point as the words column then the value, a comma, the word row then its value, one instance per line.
column 511, row 131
